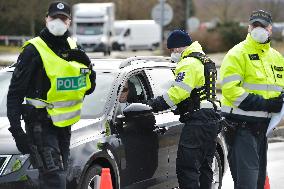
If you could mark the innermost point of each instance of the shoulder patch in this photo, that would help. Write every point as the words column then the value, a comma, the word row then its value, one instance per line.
column 253, row 57
column 84, row 71
column 180, row 76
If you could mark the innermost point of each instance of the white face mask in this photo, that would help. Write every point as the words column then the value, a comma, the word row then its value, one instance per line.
column 260, row 34
column 57, row 27
column 175, row 57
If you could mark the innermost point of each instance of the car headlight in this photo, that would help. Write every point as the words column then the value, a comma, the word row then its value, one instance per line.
column 15, row 163
column 104, row 39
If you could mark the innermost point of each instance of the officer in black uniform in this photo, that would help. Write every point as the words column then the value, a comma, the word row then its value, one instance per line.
column 193, row 92
column 47, row 144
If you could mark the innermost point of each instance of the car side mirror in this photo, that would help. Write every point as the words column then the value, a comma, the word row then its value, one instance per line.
column 139, row 115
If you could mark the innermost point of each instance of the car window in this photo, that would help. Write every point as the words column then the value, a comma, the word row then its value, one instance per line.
column 161, row 80
column 94, row 103
column 134, row 90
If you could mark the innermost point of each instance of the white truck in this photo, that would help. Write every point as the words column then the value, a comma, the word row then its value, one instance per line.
column 136, row 35
column 93, row 26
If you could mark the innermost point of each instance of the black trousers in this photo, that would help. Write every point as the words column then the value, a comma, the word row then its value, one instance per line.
column 53, row 148
column 196, row 150
column 247, row 156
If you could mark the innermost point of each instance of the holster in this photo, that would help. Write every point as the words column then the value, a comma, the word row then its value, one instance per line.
column 35, row 132
column 35, row 157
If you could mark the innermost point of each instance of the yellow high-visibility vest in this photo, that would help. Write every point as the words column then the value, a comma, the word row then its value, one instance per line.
column 69, row 81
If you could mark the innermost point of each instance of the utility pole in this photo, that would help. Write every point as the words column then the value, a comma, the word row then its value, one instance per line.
column 188, row 11
column 162, row 5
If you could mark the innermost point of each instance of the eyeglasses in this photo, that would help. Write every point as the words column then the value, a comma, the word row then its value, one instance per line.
column 125, row 90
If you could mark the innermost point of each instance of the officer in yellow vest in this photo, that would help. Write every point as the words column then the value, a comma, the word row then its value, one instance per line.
column 47, row 89
column 252, row 75
column 197, row 143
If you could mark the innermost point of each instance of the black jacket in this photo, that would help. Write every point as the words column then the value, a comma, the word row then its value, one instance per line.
column 29, row 77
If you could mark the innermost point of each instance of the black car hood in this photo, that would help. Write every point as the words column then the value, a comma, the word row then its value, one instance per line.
column 7, row 143
column 80, row 130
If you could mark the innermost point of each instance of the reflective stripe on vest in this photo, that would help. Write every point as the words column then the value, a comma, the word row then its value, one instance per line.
column 231, row 78
column 262, row 87
column 65, row 116
column 182, row 85
column 239, row 100
column 41, row 104
column 168, row 100
column 238, row 111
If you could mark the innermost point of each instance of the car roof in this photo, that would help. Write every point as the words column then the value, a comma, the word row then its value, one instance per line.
column 133, row 62
column 115, row 65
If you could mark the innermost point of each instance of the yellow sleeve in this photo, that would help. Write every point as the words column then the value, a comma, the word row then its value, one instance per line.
column 232, row 76
column 188, row 76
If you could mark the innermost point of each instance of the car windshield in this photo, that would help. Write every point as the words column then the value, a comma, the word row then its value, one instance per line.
column 90, row 28
column 93, row 105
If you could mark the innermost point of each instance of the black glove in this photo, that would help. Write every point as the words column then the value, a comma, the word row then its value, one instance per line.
column 21, row 139
column 274, row 104
column 158, row 104
column 77, row 55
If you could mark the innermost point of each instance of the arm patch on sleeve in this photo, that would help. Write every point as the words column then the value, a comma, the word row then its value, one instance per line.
column 180, row 76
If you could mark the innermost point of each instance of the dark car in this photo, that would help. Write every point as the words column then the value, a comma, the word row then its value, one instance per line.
column 138, row 146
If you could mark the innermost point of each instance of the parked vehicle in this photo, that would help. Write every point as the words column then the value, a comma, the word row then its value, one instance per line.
column 136, row 35
column 92, row 26
column 137, row 145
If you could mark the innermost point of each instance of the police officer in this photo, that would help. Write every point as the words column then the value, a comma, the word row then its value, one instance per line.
column 198, row 138
column 51, row 76
column 252, row 84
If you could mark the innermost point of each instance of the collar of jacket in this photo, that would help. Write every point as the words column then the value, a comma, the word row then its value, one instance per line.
column 194, row 47
column 253, row 44
column 54, row 40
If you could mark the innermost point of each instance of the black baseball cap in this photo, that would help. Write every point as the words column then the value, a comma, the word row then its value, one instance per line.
column 260, row 16
column 59, row 7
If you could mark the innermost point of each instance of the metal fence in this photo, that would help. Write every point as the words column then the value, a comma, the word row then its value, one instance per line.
column 13, row 40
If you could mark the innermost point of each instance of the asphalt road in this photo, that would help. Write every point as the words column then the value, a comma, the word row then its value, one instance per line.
column 275, row 168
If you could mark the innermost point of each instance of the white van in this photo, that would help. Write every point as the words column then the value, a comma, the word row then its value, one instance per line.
column 136, row 35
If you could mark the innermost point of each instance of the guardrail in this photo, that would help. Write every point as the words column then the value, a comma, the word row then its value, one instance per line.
column 13, row 40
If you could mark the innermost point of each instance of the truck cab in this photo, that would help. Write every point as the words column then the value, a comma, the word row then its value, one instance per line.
column 92, row 26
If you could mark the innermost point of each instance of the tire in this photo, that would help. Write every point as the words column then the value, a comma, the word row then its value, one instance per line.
column 107, row 53
column 217, row 171
column 91, row 177
column 122, row 47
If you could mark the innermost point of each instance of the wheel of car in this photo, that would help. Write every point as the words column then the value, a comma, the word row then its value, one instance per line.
column 122, row 47
column 107, row 52
column 92, row 177
column 153, row 47
column 217, row 172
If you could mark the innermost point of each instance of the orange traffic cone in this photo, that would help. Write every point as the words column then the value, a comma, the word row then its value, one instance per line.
column 106, row 179
column 267, row 184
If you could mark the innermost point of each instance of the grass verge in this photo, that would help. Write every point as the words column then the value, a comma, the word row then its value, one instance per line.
column 9, row 49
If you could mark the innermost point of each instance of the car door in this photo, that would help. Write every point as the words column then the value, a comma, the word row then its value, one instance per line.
column 161, row 79
column 143, row 158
